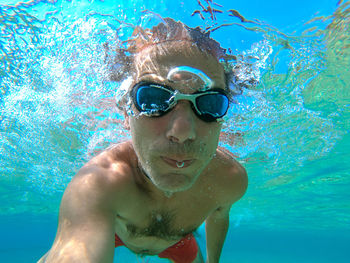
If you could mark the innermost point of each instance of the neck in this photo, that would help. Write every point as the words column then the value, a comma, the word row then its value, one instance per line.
column 150, row 185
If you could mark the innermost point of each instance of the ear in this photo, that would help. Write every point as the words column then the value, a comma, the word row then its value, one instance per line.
column 126, row 122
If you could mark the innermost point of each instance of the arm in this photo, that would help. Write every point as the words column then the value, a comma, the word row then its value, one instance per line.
column 86, row 222
column 233, row 185
column 216, row 227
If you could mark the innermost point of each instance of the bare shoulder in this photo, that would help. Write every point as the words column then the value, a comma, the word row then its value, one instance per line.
column 230, row 176
column 104, row 178
column 114, row 157
column 87, row 213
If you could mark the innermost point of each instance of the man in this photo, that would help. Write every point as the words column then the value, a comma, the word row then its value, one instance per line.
column 149, row 194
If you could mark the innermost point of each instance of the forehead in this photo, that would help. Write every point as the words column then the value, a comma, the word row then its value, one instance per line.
column 155, row 62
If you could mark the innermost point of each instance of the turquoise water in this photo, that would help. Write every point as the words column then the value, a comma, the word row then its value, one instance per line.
column 290, row 131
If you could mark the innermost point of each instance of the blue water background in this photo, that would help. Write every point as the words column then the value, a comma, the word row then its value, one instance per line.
column 295, row 144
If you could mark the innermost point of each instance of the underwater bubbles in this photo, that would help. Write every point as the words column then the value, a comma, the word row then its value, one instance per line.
column 58, row 103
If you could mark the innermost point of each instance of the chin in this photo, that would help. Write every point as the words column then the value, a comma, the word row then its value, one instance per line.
column 173, row 182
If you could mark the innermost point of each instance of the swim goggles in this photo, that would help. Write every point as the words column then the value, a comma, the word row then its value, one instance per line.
column 155, row 100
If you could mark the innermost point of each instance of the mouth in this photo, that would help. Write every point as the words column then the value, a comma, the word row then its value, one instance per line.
column 177, row 163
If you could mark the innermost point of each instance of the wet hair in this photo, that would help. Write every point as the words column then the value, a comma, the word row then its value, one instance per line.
column 166, row 33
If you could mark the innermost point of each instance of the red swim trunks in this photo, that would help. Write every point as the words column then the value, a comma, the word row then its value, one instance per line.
column 184, row 251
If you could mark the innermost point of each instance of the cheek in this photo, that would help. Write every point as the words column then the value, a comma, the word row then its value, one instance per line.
column 145, row 127
column 209, row 136
column 210, row 132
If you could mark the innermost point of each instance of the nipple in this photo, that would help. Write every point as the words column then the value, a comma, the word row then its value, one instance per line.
column 159, row 217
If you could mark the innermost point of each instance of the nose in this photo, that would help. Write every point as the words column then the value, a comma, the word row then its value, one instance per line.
column 182, row 126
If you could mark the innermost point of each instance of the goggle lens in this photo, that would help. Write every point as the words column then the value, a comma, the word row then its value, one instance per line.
column 152, row 100
column 214, row 105
column 156, row 100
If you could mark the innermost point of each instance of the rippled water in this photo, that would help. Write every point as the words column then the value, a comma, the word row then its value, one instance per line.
column 291, row 130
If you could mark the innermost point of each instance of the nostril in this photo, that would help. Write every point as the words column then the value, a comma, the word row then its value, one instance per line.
column 173, row 139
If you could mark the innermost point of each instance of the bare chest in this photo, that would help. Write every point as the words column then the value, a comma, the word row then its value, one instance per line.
column 166, row 220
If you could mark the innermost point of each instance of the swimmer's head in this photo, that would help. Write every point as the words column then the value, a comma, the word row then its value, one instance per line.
column 168, row 40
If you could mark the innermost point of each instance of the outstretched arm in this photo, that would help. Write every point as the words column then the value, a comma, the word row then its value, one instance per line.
column 86, row 222
column 233, row 186
column 216, row 227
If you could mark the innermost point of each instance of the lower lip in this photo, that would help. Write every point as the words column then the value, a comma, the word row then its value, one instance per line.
column 174, row 163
